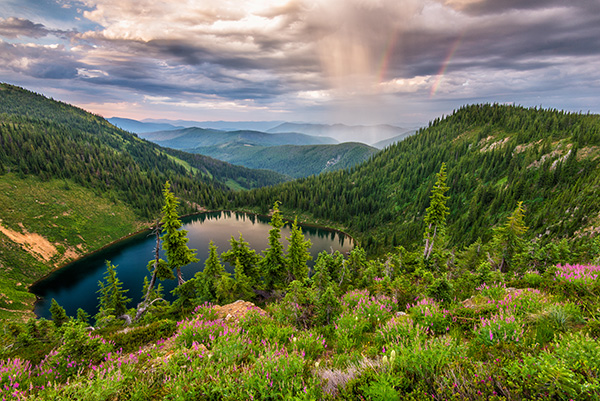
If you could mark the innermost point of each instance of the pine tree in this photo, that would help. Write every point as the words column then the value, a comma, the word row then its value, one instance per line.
column 297, row 255
column 59, row 316
column 435, row 217
column 508, row 241
column 174, row 239
column 273, row 263
column 112, row 297
column 241, row 252
column 83, row 316
column 243, row 285
column 211, row 275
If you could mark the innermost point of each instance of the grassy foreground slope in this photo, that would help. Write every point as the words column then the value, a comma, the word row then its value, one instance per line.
column 496, row 156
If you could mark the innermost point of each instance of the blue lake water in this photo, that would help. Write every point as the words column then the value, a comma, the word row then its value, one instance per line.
column 76, row 285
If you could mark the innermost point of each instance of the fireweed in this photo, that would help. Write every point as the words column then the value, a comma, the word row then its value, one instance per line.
column 397, row 330
column 431, row 316
column 499, row 328
column 585, row 274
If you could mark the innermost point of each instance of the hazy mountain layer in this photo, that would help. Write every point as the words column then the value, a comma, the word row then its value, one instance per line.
column 295, row 161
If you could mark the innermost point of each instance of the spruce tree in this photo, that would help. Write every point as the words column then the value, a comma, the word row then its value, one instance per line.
column 174, row 239
column 59, row 316
column 508, row 241
column 273, row 263
column 112, row 297
column 243, row 284
column 435, row 217
column 211, row 275
column 240, row 252
column 297, row 254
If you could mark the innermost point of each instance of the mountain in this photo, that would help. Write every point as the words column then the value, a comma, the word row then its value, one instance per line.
column 292, row 160
column 189, row 138
column 219, row 125
column 497, row 155
column 138, row 127
column 71, row 182
column 344, row 133
column 387, row 142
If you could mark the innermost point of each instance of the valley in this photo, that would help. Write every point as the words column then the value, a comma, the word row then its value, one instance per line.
column 475, row 256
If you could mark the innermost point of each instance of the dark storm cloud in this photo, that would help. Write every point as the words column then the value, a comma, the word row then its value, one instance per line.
column 303, row 53
column 18, row 27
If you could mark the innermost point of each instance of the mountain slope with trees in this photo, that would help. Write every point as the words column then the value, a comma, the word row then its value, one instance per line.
column 496, row 156
column 73, row 183
column 292, row 160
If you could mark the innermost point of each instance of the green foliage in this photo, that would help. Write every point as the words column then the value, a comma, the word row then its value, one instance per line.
column 297, row 255
column 272, row 264
column 174, row 239
column 112, row 299
column 240, row 252
column 59, row 317
column 209, row 279
column 435, row 215
column 508, row 241
column 133, row 340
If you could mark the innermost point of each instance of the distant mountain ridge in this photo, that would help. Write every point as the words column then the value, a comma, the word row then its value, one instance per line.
column 369, row 134
column 189, row 138
column 138, row 127
column 295, row 161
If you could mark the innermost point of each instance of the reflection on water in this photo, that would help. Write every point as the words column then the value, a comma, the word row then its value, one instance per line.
column 76, row 285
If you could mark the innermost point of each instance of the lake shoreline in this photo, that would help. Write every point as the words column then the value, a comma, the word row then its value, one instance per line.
column 148, row 230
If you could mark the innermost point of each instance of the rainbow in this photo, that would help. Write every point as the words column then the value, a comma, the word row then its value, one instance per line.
column 444, row 66
column 387, row 55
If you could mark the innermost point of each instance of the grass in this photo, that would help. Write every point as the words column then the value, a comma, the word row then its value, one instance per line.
column 74, row 220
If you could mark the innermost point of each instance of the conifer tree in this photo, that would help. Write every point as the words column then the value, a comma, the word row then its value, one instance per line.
column 243, row 284
column 321, row 277
column 273, row 263
column 174, row 239
column 83, row 316
column 59, row 316
column 508, row 241
column 435, row 217
column 112, row 297
column 211, row 275
column 241, row 252
column 297, row 254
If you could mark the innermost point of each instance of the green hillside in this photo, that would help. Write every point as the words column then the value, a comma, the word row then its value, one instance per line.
column 295, row 161
column 70, row 183
column 187, row 138
column 496, row 156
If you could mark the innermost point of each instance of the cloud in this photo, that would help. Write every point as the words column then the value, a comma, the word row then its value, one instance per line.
column 18, row 27
column 314, row 56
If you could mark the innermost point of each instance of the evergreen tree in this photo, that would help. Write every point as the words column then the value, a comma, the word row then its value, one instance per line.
column 59, row 316
column 508, row 241
column 211, row 275
column 297, row 254
column 243, row 284
column 174, row 239
column 273, row 263
column 240, row 252
column 321, row 278
column 112, row 297
column 83, row 316
column 435, row 217
column 328, row 306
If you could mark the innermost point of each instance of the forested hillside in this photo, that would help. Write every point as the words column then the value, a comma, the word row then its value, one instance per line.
column 71, row 183
column 496, row 155
column 293, row 160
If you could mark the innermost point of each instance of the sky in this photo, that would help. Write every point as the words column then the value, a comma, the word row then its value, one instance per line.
column 401, row 62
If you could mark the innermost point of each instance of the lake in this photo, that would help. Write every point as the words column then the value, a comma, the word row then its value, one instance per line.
column 75, row 285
